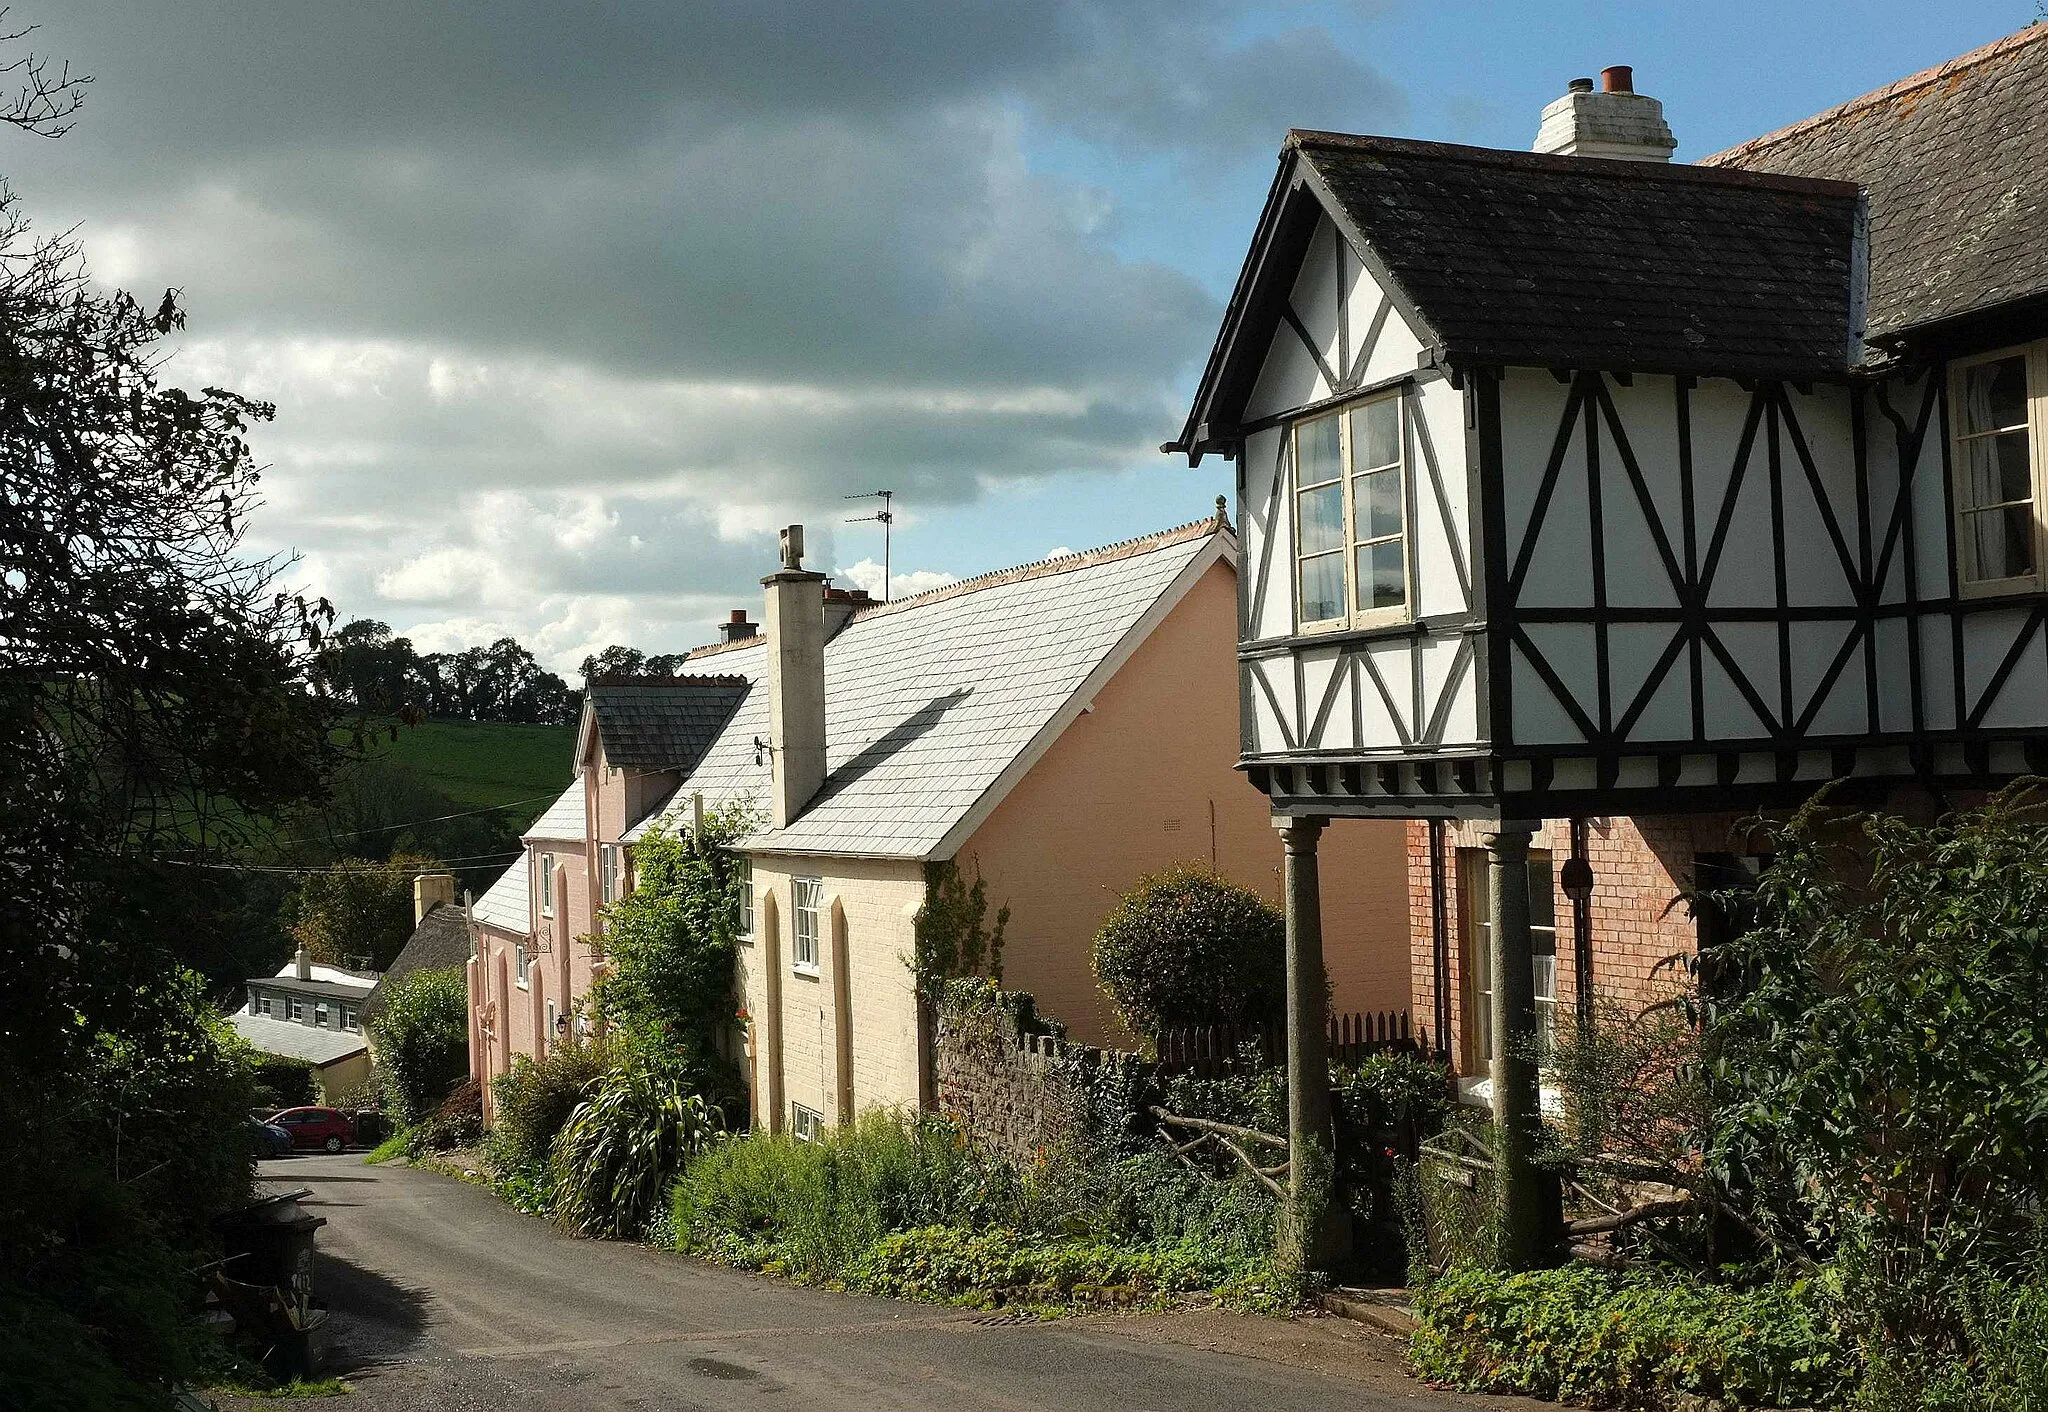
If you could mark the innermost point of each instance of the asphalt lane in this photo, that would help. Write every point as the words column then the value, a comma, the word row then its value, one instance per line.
column 445, row 1299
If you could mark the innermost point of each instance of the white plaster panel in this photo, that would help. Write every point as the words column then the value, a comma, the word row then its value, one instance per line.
column 1633, row 649
column 1439, row 659
column 1272, row 587
column 1318, row 289
column 1648, row 413
column 1937, row 674
column 1382, row 728
column 1440, row 542
column 1267, row 736
column 1728, row 713
column 1754, row 646
column 1814, row 572
column 1745, row 578
column 2023, row 700
column 1278, row 675
column 1288, row 379
column 1930, row 498
column 1261, row 511
column 1881, row 471
column 1894, row 689
column 1560, row 568
column 1321, row 669
column 1814, row 646
column 1539, row 718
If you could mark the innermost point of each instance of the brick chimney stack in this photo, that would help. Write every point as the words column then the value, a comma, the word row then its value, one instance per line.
column 794, row 621
column 738, row 629
column 1615, row 122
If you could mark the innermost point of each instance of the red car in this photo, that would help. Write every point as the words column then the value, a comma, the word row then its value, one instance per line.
column 321, row 1128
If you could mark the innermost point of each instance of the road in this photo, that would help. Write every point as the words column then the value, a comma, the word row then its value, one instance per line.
column 445, row 1299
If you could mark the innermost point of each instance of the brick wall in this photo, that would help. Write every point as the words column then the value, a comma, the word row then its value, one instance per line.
column 1641, row 868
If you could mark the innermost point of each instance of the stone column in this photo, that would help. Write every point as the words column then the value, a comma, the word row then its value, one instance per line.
column 1308, row 1062
column 1517, row 1114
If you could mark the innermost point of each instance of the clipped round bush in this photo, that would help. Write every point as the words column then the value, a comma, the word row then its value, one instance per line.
column 1186, row 947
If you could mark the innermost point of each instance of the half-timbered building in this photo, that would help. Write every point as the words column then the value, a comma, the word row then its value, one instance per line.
column 1587, row 498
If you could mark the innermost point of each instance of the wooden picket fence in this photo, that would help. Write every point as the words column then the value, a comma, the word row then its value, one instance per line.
column 1209, row 1051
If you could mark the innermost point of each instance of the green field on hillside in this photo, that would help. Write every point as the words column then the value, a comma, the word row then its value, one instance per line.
column 481, row 764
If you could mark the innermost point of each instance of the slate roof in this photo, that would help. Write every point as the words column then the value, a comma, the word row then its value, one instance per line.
column 439, row 941
column 507, row 905
column 296, row 1041
column 316, row 990
column 1589, row 262
column 662, row 723
column 563, row 822
column 931, row 699
column 1956, row 163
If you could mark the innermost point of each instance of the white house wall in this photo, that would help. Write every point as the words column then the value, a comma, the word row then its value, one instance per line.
column 1358, row 693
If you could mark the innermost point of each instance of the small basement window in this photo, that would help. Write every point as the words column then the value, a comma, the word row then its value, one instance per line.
column 1999, row 417
column 806, row 1124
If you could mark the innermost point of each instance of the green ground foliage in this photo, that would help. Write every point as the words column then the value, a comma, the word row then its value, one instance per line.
column 422, row 1038
column 1585, row 1335
column 1186, row 947
column 534, row 1098
column 612, row 1162
column 903, row 1205
column 486, row 764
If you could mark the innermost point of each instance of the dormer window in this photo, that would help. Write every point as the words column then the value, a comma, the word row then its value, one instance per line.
column 1350, row 517
column 2000, row 426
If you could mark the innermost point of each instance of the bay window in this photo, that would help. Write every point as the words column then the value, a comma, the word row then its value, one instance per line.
column 1350, row 517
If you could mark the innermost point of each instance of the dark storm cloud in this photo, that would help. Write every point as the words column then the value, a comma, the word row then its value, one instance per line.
column 692, row 261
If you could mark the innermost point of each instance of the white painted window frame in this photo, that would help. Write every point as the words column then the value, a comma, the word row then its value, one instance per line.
column 805, row 1124
column 1477, row 1011
column 1355, row 616
column 743, row 868
column 522, row 966
column 806, row 902
column 2036, row 362
column 298, row 1010
column 547, row 884
column 349, row 1021
column 608, row 872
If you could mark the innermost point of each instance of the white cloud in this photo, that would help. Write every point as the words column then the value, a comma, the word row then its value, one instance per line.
column 903, row 583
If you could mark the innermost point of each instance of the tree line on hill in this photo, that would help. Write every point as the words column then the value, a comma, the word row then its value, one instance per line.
column 368, row 668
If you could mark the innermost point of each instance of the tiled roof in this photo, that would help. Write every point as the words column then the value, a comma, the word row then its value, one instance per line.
column 296, row 1041
column 1589, row 262
column 1956, row 163
column 662, row 723
column 563, row 822
column 930, row 699
column 506, row 904
column 440, row 940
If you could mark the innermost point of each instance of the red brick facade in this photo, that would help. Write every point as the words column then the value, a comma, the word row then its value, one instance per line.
column 1641, row 867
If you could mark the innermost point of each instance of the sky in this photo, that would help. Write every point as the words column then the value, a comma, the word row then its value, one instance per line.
column 566, row 308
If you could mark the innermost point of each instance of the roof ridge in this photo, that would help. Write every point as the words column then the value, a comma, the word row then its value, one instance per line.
column 1301, row 139
column 2032, row 33
column 613, row 680
column 1020, row 573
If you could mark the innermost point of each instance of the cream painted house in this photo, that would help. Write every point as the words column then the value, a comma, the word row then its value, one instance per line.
column 1060, row 728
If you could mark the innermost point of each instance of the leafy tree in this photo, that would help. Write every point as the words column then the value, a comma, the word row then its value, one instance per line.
column 356, row 910
column 421, row 1039
column 371, row 669
column 616, row 661
column 1186, row 947
column 670, row 944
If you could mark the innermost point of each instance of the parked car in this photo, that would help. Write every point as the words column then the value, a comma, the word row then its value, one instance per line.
column 318, row 1128
column 268, row 1139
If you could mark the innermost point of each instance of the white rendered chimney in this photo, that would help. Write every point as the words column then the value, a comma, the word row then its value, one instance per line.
column 429, row 889
column 305, row 960
column 794, row 623
column 1615, row 122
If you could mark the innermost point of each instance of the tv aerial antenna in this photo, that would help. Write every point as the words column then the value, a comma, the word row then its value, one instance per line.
column 886, row 517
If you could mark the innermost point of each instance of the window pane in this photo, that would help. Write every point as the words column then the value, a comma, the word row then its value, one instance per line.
column 1542, row 898
column 1999, row 544
column 1995, row 469
column 1378, row 498
column 1995, row 395
column 1322, row 588
column 1382, row 575
column 1322, row 519
column 1376, row 434
column 1320, row 455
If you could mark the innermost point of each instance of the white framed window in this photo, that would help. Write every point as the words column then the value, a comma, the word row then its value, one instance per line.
column 349, row 1021
column 743, row 871
column 298, row 1009
column 805, row 1124
column 1351, row 517
column 553, row 1024
column 320, row 1016
column 547, row 884
column 608, row 872
column 804, row 896
column 1998, row 425
column 262, row 1003
column 1472, row 881
column 520, row 964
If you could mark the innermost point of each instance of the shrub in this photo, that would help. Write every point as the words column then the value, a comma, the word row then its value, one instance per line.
column 282, row 1082
column 533, row 1100
column 422, row 1040
column 1186, row 947
column 1006, row 1267
column 614, row 1159
column 457, row 1121
column 1585, row 1335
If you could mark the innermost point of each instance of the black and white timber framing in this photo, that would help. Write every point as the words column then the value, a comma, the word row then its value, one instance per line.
column 1636, row 585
